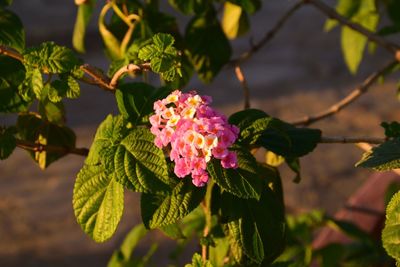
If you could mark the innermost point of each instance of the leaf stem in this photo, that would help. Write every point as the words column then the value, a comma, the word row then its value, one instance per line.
column 206, row 205
column 7, row 51
column 350, row 98
column 246, row 91
column 49, row 148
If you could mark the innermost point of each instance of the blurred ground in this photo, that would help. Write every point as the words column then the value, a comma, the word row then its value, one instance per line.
column 300, row 72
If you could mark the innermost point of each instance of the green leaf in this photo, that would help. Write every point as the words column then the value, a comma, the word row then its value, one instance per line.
column 190, row 6
column 392, row 7
column 162, row 210
column 345, row 8
column 112, row 44
column 162, row 55
column 11, row 30
column 256, row 229
column 392, row 129
column 135, row 100
column 5, row 2
column 98, row 202
column 52, row 112
column 51, row 58
column 173, row 231
column 208, row 48
column 7, row 142
column 353, row 43
column 250, row 6
column 294, row 165
column 32, row 86
column 131, row 154
column 33, row 129
column 391, row 232
column 197, row 261
column 245, row 118
column 83, row 16
column 243, row 181
column 235, row 22
column 12, row 74
column 383, row 157
column 140, row 165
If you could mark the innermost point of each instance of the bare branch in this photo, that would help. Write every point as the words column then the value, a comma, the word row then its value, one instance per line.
column 350, row 98
column 128, row 69
column 7, row 51
column 331, row 13
column 49, row 148
column 351, row 140
column 269, row 35
column 246, row 92
column 98, row 77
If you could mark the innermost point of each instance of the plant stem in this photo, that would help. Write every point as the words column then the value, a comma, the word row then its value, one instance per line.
column 206, row 205
column 49, row 148
column 269, row 35
column 126, row 69
column 350, row 98
column 246, row 91
column 351, row 140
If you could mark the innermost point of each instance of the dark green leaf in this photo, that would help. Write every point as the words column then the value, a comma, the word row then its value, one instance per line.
column 11, row 30
column 5, row 2
column 294, row 165
column 173, row 231
column 51, row 58
column 98, row 202
column 135, row 100
column 250, row 6
column 7, row 142
column 12, row 74
column 256, row 229
column 52, row 112
column 391, row 232
column 208, row 48
column 383, row 157
column 161, row 210
column 190, row 6
column 33, row 129
column 83, row 16
column 245, row 118
column 243, row 181
column 393, row 7
column 392, row 129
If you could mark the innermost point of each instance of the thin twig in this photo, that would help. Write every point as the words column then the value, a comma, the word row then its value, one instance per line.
column 7, row 51
column 269, row 35
column 98, row 77
column 49, row 148
column 246, row 91
column 128, row 69
column 350, row 98
column 331, row 13
column 351, row 140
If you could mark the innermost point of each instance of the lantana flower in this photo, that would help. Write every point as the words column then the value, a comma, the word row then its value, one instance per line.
column 194, row 132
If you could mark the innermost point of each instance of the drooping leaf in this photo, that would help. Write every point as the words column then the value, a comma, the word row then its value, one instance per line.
column 51, row 58
column 7, row 142
column 161, row 210
column 353, row 43
column 135, row 100
column 243, row 181
column 208, row 48
column 33, row 129
column 235, row 22
column 111, row 42
column 391, row 232
column 98, row 202
column 12, row 74
column 83, row 16
column 256, row 229
column 12, row 32
column 383, row 157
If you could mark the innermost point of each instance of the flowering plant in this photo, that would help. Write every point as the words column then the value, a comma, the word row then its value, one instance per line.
column 195, row 133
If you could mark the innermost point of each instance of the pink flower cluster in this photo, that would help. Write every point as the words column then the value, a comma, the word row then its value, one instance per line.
column 195, row 132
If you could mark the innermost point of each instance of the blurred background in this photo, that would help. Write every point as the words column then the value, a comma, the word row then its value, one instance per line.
column 300, row 72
